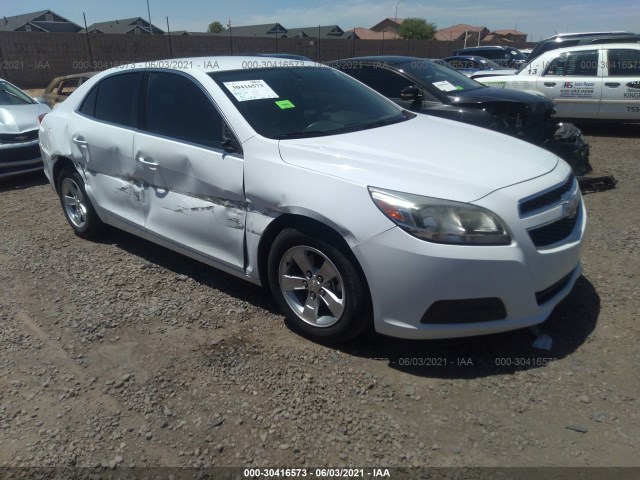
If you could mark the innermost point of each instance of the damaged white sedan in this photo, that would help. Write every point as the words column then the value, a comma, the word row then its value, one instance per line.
column 352, row 210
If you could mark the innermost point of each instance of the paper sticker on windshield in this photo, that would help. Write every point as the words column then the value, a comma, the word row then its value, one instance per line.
column 445, row 86
column 284, row 104
column 250, row 90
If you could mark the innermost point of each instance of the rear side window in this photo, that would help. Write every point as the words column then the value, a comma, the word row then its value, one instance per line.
column 178, row 108
column 88, row 106
column 114, row 100
column 624, row 62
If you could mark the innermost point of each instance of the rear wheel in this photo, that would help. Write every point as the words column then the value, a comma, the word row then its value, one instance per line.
column 76, row 205
column 318, row 287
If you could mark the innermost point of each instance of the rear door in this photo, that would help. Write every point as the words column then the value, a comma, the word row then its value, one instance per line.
column 621, row 90
column 573, row 80
column 193, row 189
column 101, row 132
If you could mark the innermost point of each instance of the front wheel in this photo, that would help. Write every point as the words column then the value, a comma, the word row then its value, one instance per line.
column 76, row 205
column 318, row 287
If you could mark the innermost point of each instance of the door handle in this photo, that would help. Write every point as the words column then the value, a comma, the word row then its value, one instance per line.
column 612, row 84
column 549, row 84
column 80, row 141
column 149, row 163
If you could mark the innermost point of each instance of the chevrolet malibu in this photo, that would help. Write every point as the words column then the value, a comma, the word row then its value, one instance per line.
column 19, row 122
column 354, row 211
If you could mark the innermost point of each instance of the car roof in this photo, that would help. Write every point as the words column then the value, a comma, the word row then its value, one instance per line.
column 592, row 46
column 587, row 34
column 488, row 47
column 468, row 57
column 382, row 58
column 213, row 63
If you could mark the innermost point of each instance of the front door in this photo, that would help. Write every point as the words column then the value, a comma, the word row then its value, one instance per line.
column 574, row 82
column 193, row 189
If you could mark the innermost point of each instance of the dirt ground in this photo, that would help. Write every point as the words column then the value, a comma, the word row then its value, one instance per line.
column 118, row 353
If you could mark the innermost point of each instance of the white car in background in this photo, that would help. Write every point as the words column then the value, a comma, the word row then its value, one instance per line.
column 353, row 210
column 589, row 82
column 19, row 123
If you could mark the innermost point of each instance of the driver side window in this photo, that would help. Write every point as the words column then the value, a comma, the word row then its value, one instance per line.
column 178, row 108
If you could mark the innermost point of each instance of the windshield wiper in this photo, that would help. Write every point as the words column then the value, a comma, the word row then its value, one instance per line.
column 303, row 134
column 377, row 123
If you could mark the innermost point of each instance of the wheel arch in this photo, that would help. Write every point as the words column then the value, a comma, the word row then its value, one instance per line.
column 59, row 164
column 312, row 227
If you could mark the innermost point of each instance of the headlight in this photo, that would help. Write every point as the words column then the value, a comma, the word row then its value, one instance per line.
column 441, row 221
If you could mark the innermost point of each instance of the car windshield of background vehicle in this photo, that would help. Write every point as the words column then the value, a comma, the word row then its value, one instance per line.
column 445, row 79
column 10, row 95
column 300, row 102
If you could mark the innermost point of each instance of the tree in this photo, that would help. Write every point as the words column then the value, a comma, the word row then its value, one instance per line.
column 417, row 28
column 215, row 27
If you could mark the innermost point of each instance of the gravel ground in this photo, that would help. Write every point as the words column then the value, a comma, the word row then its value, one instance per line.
column 119, row 353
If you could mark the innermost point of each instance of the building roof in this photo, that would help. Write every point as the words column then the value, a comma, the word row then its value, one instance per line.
column 367, row 34
column 327, row 31
column 457, row 32
column 509, row 32
column 39, row 21
column 264, row 30
column 122, row 26
column 386, row 23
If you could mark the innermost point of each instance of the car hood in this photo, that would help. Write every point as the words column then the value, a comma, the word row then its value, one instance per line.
column 21, row 118
column 488, row 94
column 424, row 156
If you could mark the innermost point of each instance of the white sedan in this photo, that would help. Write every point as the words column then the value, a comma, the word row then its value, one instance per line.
column 595, row 82
column 352, row 210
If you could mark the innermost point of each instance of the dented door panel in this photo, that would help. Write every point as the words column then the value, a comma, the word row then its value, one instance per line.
column 192, row 195
column 104, row 153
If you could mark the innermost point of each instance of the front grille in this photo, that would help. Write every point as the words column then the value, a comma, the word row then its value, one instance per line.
column 548, row 293
column 19, row 153
column 465, row 311
column 554, row 232
column 548, row 198
column 19, row 137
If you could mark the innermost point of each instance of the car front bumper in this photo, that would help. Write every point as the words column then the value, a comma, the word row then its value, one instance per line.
column 423, row 290
column 19, row 158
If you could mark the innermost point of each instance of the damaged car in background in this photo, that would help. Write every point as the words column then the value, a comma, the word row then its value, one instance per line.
column 434, row 88
column 19, row 122
column 354, row 211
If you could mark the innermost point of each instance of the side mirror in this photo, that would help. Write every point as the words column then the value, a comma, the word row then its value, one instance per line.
column 411, row 93
column 229, row 142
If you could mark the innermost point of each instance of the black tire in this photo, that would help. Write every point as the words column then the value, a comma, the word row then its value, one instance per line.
column 76, row 205
column 343, row 307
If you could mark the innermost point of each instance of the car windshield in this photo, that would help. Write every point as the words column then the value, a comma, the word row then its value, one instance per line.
column 440, row 75
column 300, row 102
column 12, row 95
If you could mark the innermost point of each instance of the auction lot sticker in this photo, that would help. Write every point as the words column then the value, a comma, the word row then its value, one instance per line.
column 577, row 89
column 250, row 90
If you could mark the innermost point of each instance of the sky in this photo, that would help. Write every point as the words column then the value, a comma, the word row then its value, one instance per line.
column 539, row 18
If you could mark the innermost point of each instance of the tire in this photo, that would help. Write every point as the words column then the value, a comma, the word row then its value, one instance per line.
column 76, row 205
column 318, row 287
